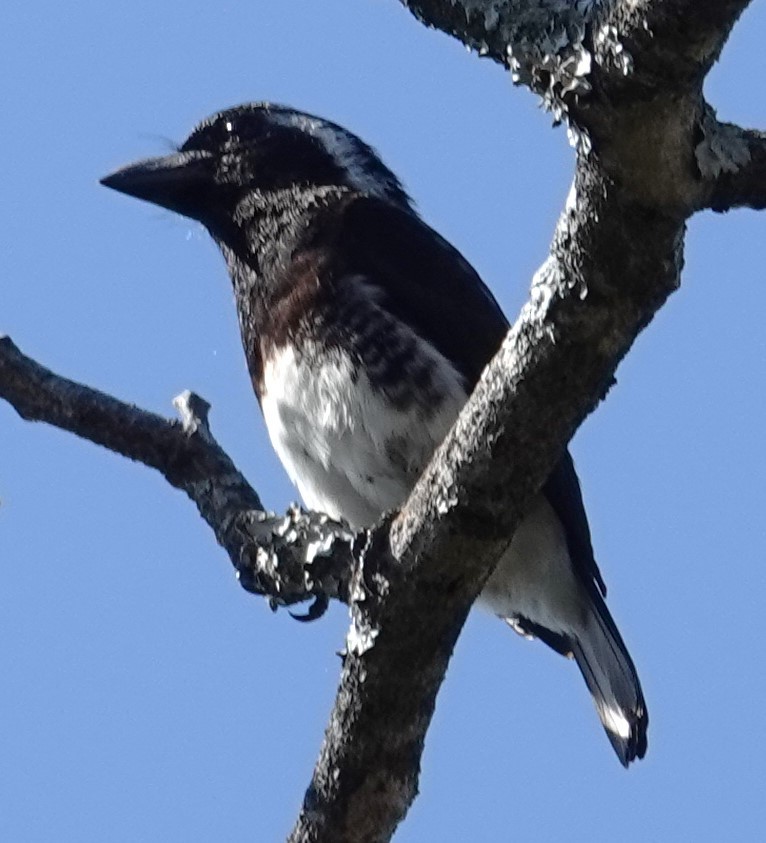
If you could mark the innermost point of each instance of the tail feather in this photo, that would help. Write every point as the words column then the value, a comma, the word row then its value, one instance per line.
column 612, row 680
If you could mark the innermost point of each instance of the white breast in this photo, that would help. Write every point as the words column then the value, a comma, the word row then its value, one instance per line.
column 348, row 449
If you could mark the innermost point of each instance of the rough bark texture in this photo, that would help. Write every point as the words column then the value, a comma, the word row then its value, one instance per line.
column 740, row 172
column 627, row 77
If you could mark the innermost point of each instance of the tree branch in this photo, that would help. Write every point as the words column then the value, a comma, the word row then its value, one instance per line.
column 734, row 162
column 551, row 36
column 287, row 558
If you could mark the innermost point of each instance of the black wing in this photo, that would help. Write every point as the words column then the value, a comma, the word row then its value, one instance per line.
column 562, row 489
column 422, row 279
column 429, row 285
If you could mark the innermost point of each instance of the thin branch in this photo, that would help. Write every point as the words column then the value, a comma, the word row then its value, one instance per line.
column 290, row 558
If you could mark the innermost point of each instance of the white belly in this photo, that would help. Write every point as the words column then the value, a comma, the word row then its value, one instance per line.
column 534, row 579
column 350, row 452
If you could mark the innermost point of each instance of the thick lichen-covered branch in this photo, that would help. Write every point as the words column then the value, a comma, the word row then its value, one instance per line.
column 564, row 49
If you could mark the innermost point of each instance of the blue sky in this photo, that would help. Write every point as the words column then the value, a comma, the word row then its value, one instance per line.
column 145, row 697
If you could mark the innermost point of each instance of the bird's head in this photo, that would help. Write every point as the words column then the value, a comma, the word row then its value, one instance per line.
column 256, row 148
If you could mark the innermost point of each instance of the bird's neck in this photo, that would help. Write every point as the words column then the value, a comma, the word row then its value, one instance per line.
column 258, row 246
column 266, row 228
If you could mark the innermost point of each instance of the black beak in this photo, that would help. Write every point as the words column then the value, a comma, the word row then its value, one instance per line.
column 179, row 182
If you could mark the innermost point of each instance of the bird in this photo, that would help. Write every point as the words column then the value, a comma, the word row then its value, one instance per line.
column 365, row 332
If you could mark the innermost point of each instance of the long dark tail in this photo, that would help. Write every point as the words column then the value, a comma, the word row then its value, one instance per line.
column 612, row 680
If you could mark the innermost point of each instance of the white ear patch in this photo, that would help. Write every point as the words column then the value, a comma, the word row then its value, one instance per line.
column 365, row 172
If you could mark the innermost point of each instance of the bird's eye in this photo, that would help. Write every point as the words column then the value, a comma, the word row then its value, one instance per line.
column 210, row 136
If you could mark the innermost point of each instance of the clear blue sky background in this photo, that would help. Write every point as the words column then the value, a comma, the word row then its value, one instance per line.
column 144, row 696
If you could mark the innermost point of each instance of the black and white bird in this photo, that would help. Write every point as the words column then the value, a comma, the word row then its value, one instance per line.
column 365, row 332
